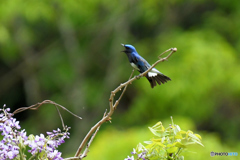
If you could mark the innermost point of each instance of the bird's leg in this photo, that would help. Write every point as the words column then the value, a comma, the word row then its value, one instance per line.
column 138, row 76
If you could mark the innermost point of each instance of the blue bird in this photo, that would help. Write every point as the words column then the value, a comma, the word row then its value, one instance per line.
column 140, row 64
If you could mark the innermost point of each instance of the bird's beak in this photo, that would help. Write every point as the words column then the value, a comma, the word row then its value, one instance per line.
column 123, row 46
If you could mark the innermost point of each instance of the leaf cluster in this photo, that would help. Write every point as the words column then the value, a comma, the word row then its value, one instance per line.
column 168, row 143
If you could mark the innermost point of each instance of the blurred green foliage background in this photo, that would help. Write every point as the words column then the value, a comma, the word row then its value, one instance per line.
column 69, row 52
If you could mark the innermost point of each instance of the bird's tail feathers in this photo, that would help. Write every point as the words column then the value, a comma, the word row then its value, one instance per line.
column 160, row 79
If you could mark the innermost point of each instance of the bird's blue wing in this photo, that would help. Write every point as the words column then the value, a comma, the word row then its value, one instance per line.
column 140, row 62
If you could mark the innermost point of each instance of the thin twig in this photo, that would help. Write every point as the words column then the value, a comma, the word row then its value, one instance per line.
column 171, row 49
column 37, row 105
column 60, row 117
column 71, row 158
column 113, row 105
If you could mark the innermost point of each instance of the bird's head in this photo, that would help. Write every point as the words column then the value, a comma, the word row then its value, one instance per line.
column 128, row 48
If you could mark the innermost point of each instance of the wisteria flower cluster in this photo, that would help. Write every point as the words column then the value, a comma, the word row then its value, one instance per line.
column 15, row 142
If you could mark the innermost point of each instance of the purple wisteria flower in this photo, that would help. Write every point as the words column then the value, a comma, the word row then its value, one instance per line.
column 48, row 144
column 141, row 155
column 134, row 151
column 129, row 158
column 9, row 148
column 15, row 141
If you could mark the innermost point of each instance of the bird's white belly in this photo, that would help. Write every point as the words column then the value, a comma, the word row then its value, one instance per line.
column 134, row 66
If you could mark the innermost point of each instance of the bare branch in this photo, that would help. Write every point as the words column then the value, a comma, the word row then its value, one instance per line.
column 93, row 136
column 36, row 106
column 81, row 156
column 95, row 127
column 89, row 143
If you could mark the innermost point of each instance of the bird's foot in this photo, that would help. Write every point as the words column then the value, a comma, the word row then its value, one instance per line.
column 138, row 77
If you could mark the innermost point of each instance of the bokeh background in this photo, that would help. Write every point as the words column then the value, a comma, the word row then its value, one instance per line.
column 69, row 52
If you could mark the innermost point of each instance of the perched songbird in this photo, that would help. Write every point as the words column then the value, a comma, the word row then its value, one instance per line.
column 140, row 64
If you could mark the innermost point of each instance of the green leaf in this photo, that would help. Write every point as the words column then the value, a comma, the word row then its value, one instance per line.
column 150, row 145
column 148, row 142
column 157, row 140
column 198, row 136
column 157, row 129
column 160, row 144
column 182, row 132
column 181, row 158
column 180, row 145
column 178, row 136
column 172, row 149
column 176, row 129
column 155, row 132
column 140, row 147
column 198, row 142
column 170, row 145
